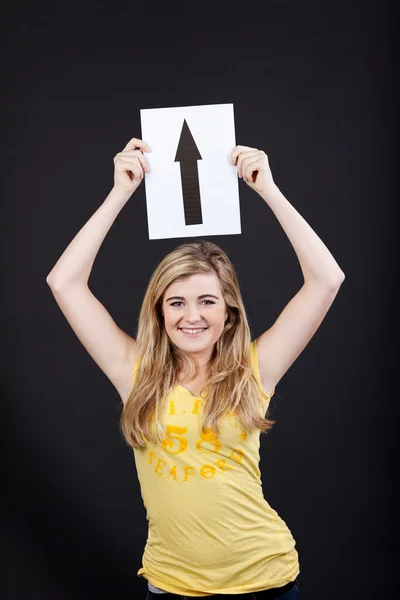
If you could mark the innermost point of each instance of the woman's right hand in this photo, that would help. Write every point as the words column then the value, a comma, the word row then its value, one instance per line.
column 129, row 166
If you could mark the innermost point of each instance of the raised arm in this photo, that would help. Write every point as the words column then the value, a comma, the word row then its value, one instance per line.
column 111, row 348
column 281, row 344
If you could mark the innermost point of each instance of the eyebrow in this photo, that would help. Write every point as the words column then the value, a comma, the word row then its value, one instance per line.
column 199, row 298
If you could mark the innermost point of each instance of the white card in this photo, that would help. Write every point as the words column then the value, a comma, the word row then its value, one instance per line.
column 198, row 194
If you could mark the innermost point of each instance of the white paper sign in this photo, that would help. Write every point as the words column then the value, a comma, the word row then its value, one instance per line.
column 191, row 187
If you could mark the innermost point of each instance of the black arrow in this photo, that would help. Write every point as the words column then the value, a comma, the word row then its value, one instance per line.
column 187, row 155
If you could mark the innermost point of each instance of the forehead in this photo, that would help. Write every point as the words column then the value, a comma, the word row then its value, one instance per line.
column 195, row 285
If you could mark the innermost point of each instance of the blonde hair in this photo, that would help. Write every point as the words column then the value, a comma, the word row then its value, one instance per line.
column 231, row 385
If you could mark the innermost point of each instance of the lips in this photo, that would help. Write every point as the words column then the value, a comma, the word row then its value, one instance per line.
column 195, row 331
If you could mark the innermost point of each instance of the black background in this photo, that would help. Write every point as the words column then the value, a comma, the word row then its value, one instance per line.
column 312, row 85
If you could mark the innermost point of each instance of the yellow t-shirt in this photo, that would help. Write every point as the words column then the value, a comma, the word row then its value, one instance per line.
column 210, row 529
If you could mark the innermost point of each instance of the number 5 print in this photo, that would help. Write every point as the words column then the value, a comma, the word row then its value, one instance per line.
column 173, row 433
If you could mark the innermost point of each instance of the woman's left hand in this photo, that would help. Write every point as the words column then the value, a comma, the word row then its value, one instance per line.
column 253, row 167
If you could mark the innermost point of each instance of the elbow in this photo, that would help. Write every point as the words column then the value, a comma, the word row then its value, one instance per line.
column 341, row 277
column 51, row 282
column 337, row 280
column 332, row 282
column 48, row 280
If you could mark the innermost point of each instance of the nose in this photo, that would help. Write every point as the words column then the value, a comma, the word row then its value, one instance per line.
column 192, row 314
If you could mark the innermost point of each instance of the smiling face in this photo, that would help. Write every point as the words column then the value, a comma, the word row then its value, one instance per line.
column 195, row 302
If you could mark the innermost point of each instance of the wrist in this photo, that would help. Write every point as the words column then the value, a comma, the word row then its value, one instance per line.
column 119, row 195
column 271, row 192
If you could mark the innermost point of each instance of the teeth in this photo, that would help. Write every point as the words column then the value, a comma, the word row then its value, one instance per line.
column 192, row 330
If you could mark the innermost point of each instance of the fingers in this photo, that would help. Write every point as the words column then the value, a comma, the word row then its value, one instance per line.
column 237, row 150
column 136, row 143
column 131, row 154
column 244, row 159
column 250, row 168
column 132, row 160
column 128, row 165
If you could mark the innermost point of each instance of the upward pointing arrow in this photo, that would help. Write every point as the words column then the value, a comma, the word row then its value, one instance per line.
column 187, row 155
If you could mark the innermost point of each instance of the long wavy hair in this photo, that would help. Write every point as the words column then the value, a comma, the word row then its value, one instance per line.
column 230, row 385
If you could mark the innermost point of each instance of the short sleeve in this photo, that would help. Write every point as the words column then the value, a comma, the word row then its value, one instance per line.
column 256, row 369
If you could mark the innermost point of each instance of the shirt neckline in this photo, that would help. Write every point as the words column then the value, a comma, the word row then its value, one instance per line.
column 179, row 385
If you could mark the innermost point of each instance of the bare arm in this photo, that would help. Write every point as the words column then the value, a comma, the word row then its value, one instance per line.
column 281, row 344
column 110, row 347
column 76, row 262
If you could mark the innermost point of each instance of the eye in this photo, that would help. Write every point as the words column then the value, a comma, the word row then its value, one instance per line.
column 179, row 302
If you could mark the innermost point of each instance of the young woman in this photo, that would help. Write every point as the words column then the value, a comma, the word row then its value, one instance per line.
column 196, row 392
